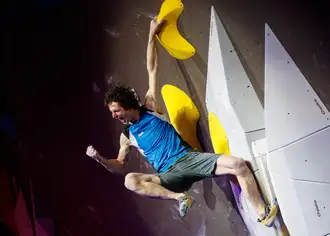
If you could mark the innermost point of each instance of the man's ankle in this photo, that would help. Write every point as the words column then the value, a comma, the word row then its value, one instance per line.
column 181, row 195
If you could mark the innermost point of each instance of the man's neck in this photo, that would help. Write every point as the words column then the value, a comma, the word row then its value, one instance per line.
column 136, row 116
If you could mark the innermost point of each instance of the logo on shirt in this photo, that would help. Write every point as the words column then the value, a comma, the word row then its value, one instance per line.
column 140, row 134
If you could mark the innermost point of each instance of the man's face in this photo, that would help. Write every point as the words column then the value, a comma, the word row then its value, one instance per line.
column 119, row 113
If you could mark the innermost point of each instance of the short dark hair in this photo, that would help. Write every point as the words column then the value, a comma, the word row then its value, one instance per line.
column 125, row 96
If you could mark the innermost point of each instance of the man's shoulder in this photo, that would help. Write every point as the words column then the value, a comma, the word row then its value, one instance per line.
column 156, row 114
column 147, row 119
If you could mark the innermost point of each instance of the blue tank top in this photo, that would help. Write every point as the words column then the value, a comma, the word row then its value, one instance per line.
column 157, row 140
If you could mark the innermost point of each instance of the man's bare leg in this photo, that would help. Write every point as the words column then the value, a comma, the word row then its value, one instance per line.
column 237, row 166
column 149, row 186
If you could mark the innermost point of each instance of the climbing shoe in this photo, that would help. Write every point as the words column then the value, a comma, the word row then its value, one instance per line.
column 271, row 213
column 184, row 204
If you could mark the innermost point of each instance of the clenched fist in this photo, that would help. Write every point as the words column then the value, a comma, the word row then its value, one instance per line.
column 91, row 152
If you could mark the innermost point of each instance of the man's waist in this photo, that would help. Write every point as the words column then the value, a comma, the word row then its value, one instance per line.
column 173, row 160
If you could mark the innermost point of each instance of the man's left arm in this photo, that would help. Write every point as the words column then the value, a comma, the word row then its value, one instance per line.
column 152, row 67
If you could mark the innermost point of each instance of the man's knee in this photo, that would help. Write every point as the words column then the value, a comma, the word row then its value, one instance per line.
column 132, row 181
column 240, row 167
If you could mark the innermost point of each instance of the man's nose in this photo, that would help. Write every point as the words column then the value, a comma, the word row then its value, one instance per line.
column 114, row 115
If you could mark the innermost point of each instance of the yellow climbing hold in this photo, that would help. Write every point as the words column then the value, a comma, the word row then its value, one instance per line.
column 169, row 37
column 183, row 113
column 218, row 135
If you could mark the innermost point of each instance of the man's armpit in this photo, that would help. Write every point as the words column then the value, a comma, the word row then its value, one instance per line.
column 150, row 103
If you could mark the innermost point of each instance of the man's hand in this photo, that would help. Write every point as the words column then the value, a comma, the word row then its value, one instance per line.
column 112, row 165
column 91, row 152
column 155, row 27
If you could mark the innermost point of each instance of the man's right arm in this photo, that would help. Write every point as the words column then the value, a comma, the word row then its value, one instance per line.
column 116, row 166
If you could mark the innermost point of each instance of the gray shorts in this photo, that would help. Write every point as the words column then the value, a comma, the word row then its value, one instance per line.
column 192, row 167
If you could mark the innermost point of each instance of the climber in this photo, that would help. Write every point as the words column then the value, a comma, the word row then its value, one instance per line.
column 178, row 165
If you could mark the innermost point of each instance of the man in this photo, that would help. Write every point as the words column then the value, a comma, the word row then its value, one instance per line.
column 177, row 164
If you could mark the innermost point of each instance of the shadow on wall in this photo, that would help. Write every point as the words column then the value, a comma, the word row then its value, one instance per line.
column 55, row 60
column 204, row 135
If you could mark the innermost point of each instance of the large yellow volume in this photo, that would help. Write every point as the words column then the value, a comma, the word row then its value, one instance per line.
column 183, row 114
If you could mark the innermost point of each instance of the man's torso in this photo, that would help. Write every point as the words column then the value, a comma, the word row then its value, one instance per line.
column 156, row 139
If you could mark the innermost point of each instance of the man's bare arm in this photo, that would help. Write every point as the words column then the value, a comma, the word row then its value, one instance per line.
column 116, row 166
column 152, row 66
column 125, row 146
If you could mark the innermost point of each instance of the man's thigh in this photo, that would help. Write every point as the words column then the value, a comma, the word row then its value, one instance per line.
column 144, row 177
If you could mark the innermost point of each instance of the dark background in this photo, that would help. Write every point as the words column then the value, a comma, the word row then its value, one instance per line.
column 60, row 54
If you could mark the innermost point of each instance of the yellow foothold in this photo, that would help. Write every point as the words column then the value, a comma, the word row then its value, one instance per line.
column 218, row 135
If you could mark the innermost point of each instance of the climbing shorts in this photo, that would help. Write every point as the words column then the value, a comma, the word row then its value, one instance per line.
column 192, row 167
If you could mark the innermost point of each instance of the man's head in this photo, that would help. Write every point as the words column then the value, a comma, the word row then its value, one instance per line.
column 122, row 102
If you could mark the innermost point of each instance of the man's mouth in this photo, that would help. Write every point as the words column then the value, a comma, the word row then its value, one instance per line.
column 122, row 119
